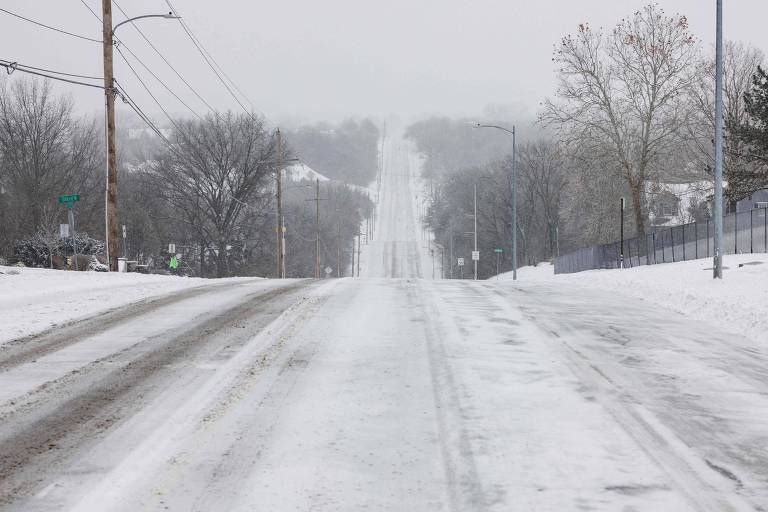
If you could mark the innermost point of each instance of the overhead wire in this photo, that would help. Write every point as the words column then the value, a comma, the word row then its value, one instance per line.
column 160, row 54
column 208, row 58
column 134, row 105
column 138, row 59
column 11, row 67
column 62, row 31
column 92, row 11
column 146, row 88
column 86, row 77
column 161, row 82
column 128, row 100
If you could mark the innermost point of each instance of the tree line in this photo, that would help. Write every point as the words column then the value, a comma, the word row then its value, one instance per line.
column 208, row 189
column 633, row 108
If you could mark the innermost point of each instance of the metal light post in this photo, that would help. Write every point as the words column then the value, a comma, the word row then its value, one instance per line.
column 110, row 210
column 718, row 199
column 511, row 132
column 474, row 217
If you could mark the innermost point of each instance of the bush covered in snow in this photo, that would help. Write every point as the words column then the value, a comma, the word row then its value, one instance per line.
column 39, row 249
column 96, row 266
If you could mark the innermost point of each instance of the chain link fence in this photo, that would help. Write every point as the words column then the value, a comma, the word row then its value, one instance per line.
column 743, row 232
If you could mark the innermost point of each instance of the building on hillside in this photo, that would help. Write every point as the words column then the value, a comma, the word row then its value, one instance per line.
column 672, row 204
column 302, row 172
column 758, row 199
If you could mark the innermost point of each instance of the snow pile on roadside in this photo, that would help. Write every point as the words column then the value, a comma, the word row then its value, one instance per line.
column 738, row 302
column 34, row 299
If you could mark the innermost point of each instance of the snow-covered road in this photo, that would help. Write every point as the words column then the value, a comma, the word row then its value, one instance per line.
column 385, row 394
column 399, row 248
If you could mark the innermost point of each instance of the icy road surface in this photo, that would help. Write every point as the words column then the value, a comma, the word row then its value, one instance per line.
column 385, row 394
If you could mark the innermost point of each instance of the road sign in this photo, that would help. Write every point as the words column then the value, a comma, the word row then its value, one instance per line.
column 70, row 200
column 461, row 262
column 171, row 248
column 63, row 230
column 499, row 251
column 475, row 255
column 73, row 198
column 124, row 231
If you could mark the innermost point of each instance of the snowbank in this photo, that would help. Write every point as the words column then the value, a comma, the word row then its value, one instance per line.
column 738, row 302
column 33, row 299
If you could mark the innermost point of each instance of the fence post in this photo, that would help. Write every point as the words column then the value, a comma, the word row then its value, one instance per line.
column 751, row 242
column 663, row 249
column 696, row 238
column 736, row 232
column 637, row 246
column 653, row 243
column 647, row 254
column 707, row 238
column 765, row 228
column 683, row 242
column 672, row 238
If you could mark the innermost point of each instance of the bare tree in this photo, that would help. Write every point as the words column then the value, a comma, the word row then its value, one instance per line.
column 44, row 152
column 215, row 167
column 622, row 95
column 542, row 167
column 740, row 64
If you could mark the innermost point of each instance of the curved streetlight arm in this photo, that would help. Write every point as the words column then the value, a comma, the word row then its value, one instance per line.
column 514, row 190
column 478, row 125
column 169, row 16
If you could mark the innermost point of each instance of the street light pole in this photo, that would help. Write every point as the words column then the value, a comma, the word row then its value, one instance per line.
column 475, row 219
column 110, row 209
column 513, row 133
column 279, row 194
column 718, row 199
column 514, row 204
column 317, row 229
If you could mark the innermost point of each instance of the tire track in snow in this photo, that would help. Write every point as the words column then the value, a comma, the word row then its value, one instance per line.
column 706, row 489
column 29, row 348
column 41, row 438
column 464, row 488
column 171, row 439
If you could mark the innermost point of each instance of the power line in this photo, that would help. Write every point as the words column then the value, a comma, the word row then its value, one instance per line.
column 211, row 61
column 160, row 54
column 155, row 76
column 92, row 11
column 144, row 117
column 121, row 43
column 51, row 28
column 160, row 106
column 55, row 72
column 11, row 67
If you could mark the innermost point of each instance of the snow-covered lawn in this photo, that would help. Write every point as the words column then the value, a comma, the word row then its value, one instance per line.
column 32, row 299
column 738, row 303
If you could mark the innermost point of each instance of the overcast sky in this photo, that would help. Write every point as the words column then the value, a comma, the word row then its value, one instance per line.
column 310, row 60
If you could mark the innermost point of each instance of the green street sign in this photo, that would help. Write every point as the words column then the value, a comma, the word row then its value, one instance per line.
column 74, row 198
column 498, row 250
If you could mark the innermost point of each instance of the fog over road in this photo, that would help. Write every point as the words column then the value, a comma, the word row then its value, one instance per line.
column 385, row 392
column 399, row 248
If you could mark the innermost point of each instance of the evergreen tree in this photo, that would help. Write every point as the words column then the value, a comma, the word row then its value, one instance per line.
column 753, row 136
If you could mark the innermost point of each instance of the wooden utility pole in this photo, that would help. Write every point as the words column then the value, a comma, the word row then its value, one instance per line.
column 358, row 253
column 338, row 244
column 317, row 228
column 109, row 92
column 279, row 180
